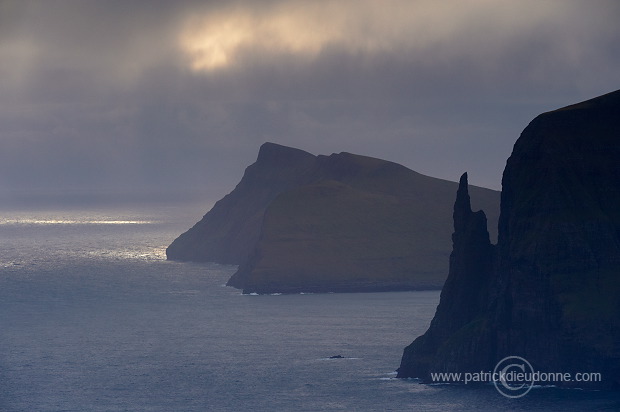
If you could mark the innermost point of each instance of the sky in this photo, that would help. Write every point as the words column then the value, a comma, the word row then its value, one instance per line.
column 166, row 99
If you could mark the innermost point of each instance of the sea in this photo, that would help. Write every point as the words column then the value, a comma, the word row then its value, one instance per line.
column 94, row 318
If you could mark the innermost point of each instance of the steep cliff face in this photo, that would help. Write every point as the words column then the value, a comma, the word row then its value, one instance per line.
column 554, row 288
column 344, row 222
column 229, row 231
column 559, row 241
column 334, row 237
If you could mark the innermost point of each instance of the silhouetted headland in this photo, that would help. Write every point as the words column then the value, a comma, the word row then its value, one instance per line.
column 340, row 223
column 550, row 290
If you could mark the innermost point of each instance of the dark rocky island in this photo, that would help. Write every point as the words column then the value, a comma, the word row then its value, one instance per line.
column 549, row 291
column 340, row 223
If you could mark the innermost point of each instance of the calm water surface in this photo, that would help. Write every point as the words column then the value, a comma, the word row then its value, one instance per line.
column 93, row 318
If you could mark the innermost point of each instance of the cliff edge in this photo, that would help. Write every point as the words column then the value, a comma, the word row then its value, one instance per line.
column 551, row 292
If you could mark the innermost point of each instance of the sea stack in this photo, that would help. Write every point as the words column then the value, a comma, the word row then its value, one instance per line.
column 551, row 292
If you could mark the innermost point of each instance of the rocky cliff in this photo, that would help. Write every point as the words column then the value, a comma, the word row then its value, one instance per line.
column 344, row 222
column 551, row 292
column 229, row 231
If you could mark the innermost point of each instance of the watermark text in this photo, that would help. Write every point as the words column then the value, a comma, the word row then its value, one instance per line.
column 514, row 376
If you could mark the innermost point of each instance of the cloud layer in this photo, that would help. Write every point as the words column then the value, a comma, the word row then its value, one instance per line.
column 161, row 96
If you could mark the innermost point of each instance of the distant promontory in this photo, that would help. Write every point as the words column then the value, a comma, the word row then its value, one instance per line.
column 340, row 223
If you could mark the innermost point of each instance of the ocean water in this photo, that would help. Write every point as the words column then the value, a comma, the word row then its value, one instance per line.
column 93, row 318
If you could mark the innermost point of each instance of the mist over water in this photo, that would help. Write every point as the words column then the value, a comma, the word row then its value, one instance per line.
column 92, row 317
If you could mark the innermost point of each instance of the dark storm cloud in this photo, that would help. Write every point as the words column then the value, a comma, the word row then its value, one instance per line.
column 167, row 96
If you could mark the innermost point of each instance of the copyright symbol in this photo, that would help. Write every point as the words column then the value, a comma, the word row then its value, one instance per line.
column 513, row 377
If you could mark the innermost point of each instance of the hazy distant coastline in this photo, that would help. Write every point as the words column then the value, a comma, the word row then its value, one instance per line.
column 340, row 223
